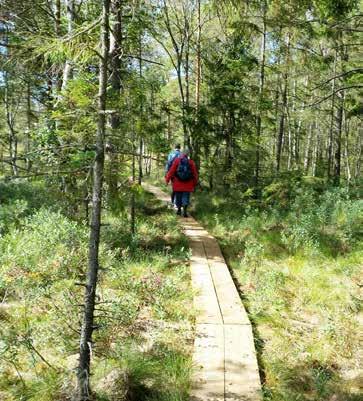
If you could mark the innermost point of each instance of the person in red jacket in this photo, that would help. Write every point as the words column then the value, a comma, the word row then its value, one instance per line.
column 184, row 176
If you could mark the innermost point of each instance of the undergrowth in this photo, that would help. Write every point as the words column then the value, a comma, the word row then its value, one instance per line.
column 143, row 340
column 297, row 257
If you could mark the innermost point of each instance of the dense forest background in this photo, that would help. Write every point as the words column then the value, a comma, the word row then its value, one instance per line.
column 93, row 95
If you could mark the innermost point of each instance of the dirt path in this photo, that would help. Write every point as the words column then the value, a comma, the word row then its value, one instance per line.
column 224, row 352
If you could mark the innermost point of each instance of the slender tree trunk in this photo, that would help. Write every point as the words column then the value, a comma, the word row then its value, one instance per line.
column 340, row 116
column 359, row 147
column 94, row 240
column 115, row 81
column 57, row 15
column 198, row 77
column 276, row 115
column 338, row 141
column 332, row 120
column 198, row 61
column 281, row 131
column 141, row 116
column 315, row 152
column 346, row 150
column 260, row 99
column 29, row 126
column 57, row 29
column 67, row 70
column 141, row 156
column 133, row 206
column 289, row 138
column 12, row 136
column 280, row 138
column 307, row 149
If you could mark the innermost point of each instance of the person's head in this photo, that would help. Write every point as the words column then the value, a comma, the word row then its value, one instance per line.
column 177, row 146
column 186, row 151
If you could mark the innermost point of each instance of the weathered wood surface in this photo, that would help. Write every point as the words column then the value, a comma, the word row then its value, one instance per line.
column 224, row 353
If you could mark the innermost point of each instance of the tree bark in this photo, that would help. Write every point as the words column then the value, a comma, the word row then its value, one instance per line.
column 332, row 118
column 139, row 180
column 307, row 149
column 281, row 132
column 67, row 70
column 12, row 136
column 29, row 126
column 116, row 85
column 94, row 239
column 280, row 137
column 198, row 62
column 260, row 97
column 338, row 141
column 346, row 150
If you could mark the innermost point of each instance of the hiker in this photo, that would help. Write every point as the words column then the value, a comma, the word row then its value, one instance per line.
column 184, row 177
column 171, row 157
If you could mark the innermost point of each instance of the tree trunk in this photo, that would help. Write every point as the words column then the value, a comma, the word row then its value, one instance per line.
column 139, row 180
column 315, row 152
column 29, row 127
column 332, row 119
column 198, row 62
column 141, row 155
column 346, row 150
column 359, row 147
column 94, row 240
column 260, row 98
column 67, row 70
column 133, row 206
column 12, row 136
column 307, row 149
column 280, row 137
column 338, row 141
column 115, row 81
column 57, row 17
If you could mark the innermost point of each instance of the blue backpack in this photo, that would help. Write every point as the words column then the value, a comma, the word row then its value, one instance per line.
column 184, row 172
column 172, row 156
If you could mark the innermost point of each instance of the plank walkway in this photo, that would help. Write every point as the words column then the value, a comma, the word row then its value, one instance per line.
column 224, row 352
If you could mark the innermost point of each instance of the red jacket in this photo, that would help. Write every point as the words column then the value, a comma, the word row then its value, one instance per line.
column 182, row 186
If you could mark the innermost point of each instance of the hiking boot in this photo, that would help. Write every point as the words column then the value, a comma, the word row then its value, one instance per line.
column 185, row 214
column 178, row 212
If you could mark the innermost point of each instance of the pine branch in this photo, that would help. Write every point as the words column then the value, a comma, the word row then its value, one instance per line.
column 355, row 70
column 332, row 94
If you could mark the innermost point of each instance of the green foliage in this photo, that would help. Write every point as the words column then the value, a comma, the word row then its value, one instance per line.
column 11, row 215
column 297, row 256
column 144, row 293
column 48, row 247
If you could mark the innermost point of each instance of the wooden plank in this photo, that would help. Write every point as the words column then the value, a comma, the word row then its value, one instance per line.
column 208, row 358
column 224, row 354
column 233, row 311
column 205, row 299
column 242, row 380
column 212, row 249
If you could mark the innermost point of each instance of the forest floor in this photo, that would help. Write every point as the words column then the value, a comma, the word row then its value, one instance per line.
column 224, row 357
column 297, row 263
column 299, row 272
column 143, row 344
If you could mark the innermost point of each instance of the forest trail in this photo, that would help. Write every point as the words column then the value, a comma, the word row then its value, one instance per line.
column 224, row 352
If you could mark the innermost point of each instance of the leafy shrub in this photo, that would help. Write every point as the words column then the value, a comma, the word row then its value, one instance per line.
column 47, row 248
column 11, row 215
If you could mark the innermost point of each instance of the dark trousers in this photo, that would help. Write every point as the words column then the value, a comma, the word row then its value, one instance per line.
column 182, row 199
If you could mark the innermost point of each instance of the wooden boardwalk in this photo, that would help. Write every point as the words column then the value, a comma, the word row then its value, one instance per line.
column 224, row 352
